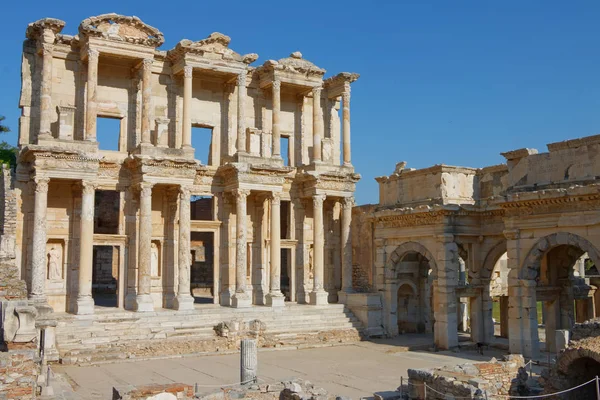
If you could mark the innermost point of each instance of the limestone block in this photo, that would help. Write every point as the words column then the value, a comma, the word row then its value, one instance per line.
column 266, row 143
column 161, row 138
column 18, row 321
column 66, row 122
column 253, row 141
column 561, row 339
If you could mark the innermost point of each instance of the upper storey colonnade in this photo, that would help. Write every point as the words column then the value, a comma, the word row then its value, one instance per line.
column 165, row 94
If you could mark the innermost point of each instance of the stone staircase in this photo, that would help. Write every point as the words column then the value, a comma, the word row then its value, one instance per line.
column 108, row 336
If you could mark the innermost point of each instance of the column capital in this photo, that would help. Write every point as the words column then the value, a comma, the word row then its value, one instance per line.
column 147, row 62
column 348, row 202
column 187, row 71
column 512, row 234
column 275, row 198
column 276, row 85
column 346, row 96
column 185, row 192
column 318, row 200
column 317, row 91
column 241, row 79
column 241, row 194
column 41, row 184
column 93, row 55
column 88, row 187
column 145, row 188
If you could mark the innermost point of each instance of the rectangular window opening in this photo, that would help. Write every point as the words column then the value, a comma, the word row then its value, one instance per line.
column 201, row 208
column 107, row 211
column 285, row 220
column 285, row 150
column 202, row 144
column 108, row 133
column 202, row 268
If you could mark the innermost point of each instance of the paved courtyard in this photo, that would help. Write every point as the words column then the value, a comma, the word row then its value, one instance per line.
column 356, row 370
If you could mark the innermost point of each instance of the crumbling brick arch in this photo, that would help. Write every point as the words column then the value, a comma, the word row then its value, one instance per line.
column 402, row 250
column 530, row 268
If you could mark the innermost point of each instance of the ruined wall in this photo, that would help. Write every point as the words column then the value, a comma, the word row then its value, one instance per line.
column 362, row 247
column 18, row 373
column 466, row 381
column 440, row 184
column 11, row 284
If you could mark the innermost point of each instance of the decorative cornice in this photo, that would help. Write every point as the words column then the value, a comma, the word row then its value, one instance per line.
column 121, row 28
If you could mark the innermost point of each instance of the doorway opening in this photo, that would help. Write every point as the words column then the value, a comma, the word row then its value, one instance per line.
column 105, row 276
column 202, row 268
column 286, row 273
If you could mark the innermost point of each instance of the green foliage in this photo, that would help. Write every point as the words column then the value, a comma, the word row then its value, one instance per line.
column 8, row 153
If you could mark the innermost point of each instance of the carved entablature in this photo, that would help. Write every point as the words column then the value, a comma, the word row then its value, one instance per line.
column 121, row 28
column 160, row 170
column 407, row 220
column 551, row 206
column 253, row 176
column 210, row 53
column 57, row 163
column 294, row 70
column 339, row 84
column 330, row 183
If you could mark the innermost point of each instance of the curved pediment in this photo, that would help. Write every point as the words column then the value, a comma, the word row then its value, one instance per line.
column 121, row 28
column 215, row 45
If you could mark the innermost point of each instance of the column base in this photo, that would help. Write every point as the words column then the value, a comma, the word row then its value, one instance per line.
column 318, row 298
column 84, row 305
column 40, row 302
column 276, row 299
column 183, row 302
column 144, row 303
column 241, row 300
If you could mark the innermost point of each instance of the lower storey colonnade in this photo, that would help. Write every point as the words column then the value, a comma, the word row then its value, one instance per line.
column 152, row 246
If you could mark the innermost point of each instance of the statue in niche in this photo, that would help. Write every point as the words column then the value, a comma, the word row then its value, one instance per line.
column 310, row 263
column 54, row 263
column 154, row 260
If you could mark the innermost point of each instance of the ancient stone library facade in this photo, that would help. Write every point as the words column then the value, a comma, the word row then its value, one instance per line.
column 154, row 179
column 504, row 251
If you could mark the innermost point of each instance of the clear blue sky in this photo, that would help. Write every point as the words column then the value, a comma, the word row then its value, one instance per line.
column 453, row 82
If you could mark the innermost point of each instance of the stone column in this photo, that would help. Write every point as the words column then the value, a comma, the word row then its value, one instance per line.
column 241, row 111
column 146, row 99
column 184, row 299
column 38, row 242
column 85, row 302
column 317, row 124
column 186, row 129
column 248, row 361
column 318, row 296
column 241, row 297
column 276, row 117
column 275, row 298
column 346, row 119
column 143, row 299
column 347, row 205
column 46, row 90
column 92, row 83
column 445, row 304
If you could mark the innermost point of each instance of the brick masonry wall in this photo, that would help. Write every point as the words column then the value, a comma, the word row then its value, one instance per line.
column 362, row 248
column 18, row 373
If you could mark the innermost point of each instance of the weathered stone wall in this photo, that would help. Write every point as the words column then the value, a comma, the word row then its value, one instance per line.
column 505, row 377
column 11, row 285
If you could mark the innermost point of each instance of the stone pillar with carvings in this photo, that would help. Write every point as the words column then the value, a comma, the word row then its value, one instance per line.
column 85, row 302
column 347, row 205
column 445, row 305
column 346, row 124
column 275, row 298
column 276, row 119
column 241, row 298
column 241, row 113
column 143, row 299
column 317, row 125
column 47, row 50
column 146, row 99
column 92, row 86
column 186, row 129
column 318, row 296
column 38, row 242
column 184, row 299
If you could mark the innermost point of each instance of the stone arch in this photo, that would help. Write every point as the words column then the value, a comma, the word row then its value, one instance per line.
column 409, row 247
column 572, row 354
column 491, row 258
column 403, row 282
column 530, row 265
